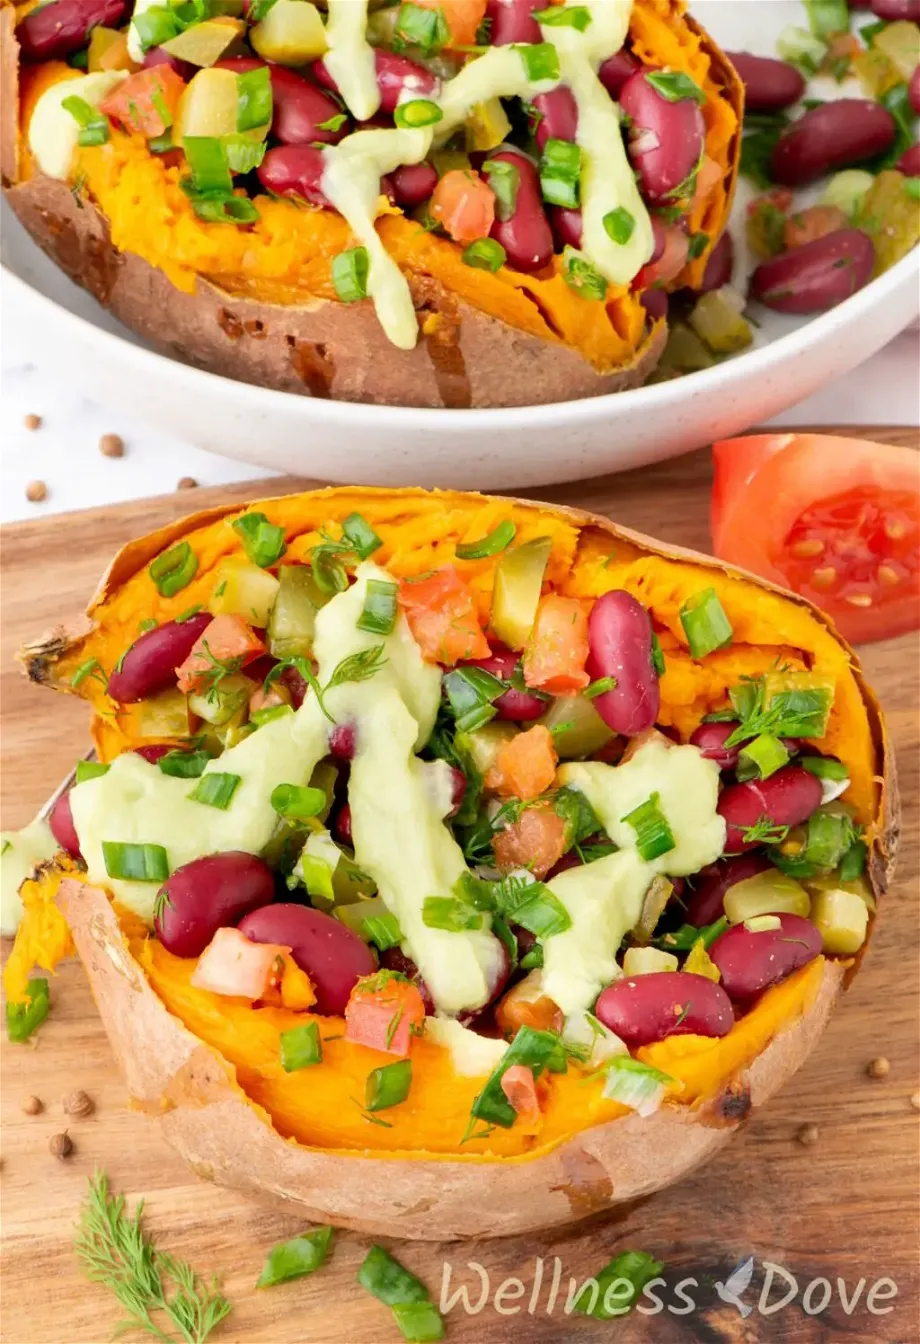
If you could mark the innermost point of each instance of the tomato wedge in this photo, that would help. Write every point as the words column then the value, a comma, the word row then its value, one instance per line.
column 441, row 612
column 384, row 1012
column 464, row 205
column 525, row 766
column 146, row 102
column 557, row 650
column 227, row 644
column 835, row 519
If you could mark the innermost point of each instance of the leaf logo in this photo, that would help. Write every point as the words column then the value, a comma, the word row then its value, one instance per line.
column 737, row 1283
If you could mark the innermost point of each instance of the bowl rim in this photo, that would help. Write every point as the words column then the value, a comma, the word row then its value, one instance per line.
column 570, row 414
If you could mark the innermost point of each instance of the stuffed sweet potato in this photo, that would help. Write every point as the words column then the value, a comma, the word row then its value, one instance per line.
column 455, row 866
column 428, row 204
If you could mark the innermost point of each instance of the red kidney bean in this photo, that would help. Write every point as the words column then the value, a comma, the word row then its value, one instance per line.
column 752, row 962
column 720, row 265
column 642, row 1009
column 615, row 71
column 150, row 663
column 566, row 225
column 299, row 108
column 394, row 73
column 393, row 959
column 816, row 276
column 413, row 183
column 786, row 799
column 829, row 137
column 909, row 162
column 342, row 741
column 60, row 820
column 517, row 706
column 706, row 904
column 769, row 85
column 913, row 91
column 655, row 302
column 526, row 237
column 54, row 31
column 558, row 115
column 152, row 753
column 665, row 138
column 295, row 683
column 294, row 170
column 513, row 21
column 333, row 957
column 620, row 646
column 893, row 10
column 210, row 894
column 711, row 738
column 159, row 56
column 570, row 860
column 457, row 790
column 341, row 827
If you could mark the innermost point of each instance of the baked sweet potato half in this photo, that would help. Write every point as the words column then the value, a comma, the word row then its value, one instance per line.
column 455, row 865
column 423, row 205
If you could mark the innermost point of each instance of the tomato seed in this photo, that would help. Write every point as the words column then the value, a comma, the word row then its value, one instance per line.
column 823, row 578
column 888, row 576
column 859, row 599
column 804, row 550
column 894, row 530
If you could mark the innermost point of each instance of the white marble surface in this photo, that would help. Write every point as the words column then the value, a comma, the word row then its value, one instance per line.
column 64, row 452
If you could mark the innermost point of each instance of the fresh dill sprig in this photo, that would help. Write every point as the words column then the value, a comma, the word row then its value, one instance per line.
column 114, row 1250
column 217, row 670
column 357, row 667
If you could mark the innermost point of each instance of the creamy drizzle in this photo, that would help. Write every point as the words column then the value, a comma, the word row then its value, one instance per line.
column 350, row 58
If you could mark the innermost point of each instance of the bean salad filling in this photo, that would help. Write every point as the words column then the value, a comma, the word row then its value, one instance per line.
column 412, row 836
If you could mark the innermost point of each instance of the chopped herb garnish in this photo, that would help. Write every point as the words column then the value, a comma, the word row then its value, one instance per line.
column 764, row 832
column 684, row 938
column 91, row 668
column 135, row 863
column 360, row 536
column 471, row 693
column 263, row 541
column 90, row 770
column 631, row 1269
column 499, row 539
column 378, row 616
column 653, row 834
column 675, row 86
column 24, row 1018
column 216, row 790
column 297, row 802
column 599, row 687
column 304, row 1254
column 705, row 623
column 534, row 1049
column 389, row 1085
column 301, row 1047
column 174, row 569
column 183, row 764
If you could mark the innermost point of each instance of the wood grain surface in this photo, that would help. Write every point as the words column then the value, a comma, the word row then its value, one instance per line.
column 844, row 1209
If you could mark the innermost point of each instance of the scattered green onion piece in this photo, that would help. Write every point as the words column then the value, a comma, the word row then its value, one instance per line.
column 148, row 624
column 485, row 254
column 420, row 27
column 388, row 1085
column 705, row 623
column 684, row 938
column 653, row 834
column 232, row 210
column 333, row 124
column 828, row 17
column 94, row 126
column 632, row 1269
column 800, row 48
column 450, row 913
column 824, row 767
column 216, row 790
column 471, row 692
column 657, row 656
column 382, row 930
column 675, row 86
column 378, row 616
column 161, row 144
column 417, row 113
column 853, row 863
column 599, row 687
column 303, row 1254
column 535, row 907
column 419, row 1322
column 23, row 1018
column 301, row 1047
column 207, row 161
column 564, row 16
column 761, row 758
column 91, row 668
column 253, row 99
column 698, row 244
column 183, row 764
column 536, row 1050
column 619, row 225
column 174, row 569
column 188, row 614
column 90, row 770
column 79, row 60
column 297, row 802
column 533, row 960
column 317, row 876
column 541, row 61
column 359, row 534
column 499, row 539
column 579, row 816
column 243, row 155
column 349, row 274
column 799, row 711
column 505, row 180
column 263, row 541
column 579, row 274
column 560, row 173
column 388, row 1280
column 156, row 25
column 135, row 863
column 634, row 1084
column 260, row 717
column 911, row 186
column 828, row 837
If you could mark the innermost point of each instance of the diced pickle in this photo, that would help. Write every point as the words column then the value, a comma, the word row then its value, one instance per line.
column 205, row 43
column 518, row 583
column 487, row 126
column 580, row 730
column 164, row 715
column 208, row 107
column 900, row 42
column 450, row 160
column 685, row 352
column 656, row 898
column 244, row 590
column 717, row 321
column 291, row 33
column 848, row 190
column 228, row 697
column 842, row 919
column 768, row 893
column 648, row 960
column 484, row 744
column 891, row 218
column 293, row 619
column 324, row 777
column 355, row 913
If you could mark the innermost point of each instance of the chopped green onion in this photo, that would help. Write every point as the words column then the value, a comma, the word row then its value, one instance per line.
column 698, row 244
column 90, row 770
column 450, row 913
column 243, row 155
column 631, row 1269
column 534, row 906
column 675, row 86
column 828, row 837
column 560, row 173
column 388, row 1280
column 23, row 1018
column 79, row 60
column 911, row 186
column 303, row 1254
column 634, row 1084
column 761, row 758
column 499, row 539
column 207, row 161
column 349, row 274
column 684, row 938
column 161, row 144
column 535, row 1049
column 135, row 863
column 485, row 254
column 420, row 27
column 94, row 126
column 828, row 17
column 657, row 656
column 705, row 623
column 317, row 876
column 263, row 541
column 619, row 225
column 417, row 112
column 174, row 569
column 533, row 960
column 853, row 862
column 359, row 534
column 232, row 210
column 564, row 16
column 505, row 180
column 471, row 692
column 653, row 834
column 187, row 614
column 156, row 25
column 420, row 1322
column 580, row 275
column 579, row 816
column 800, row 48
column 91, row 668
column 301, row 1047
column 215, row 790
column 253, row 99
column 824, row 767
column 148, row 624
column 541, row 61
column 378, row 616
column 297, row 802
column 260, row 717
column 388, row 1085
column 869, row 31
column 333, row 124
column 599, row 687
column 382, row 930
column 183, row 764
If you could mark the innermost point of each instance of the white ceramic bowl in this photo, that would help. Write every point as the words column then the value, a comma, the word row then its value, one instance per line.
column 484, row 449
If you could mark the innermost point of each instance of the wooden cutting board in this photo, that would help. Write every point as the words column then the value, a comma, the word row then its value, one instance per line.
column 845, row 1208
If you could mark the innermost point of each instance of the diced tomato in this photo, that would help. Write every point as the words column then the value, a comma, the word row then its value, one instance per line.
column 232, row 965
column 842, row 527
column 273, row 698
column 535, row 841
column 384, row 1012
column 779, row 197
column 527, row 1006
column 525, row 765
column 442, row 616
column 669, row 264
column 146, row 102
column 462, row 17
column 557, row 650
column 520, row 1088
column 227, row 642
column 464, row 205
